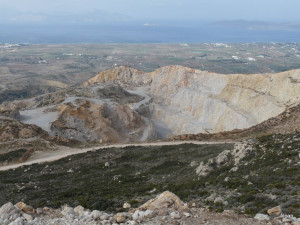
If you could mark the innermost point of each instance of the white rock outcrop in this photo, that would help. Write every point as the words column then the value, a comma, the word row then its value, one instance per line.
column 193, row 101
column 164, row 200
column 261, row 217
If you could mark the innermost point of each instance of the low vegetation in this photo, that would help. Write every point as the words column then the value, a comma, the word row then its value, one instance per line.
column 268, row 176
column 105, row 179
column 12, row 156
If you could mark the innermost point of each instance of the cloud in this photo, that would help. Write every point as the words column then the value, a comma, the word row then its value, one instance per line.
column 92, row 16
column 151, row 25
column 148, row 10
column 28, row 18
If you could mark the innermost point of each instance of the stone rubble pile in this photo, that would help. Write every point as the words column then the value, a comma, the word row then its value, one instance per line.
column 166, row 208
column 277, row 217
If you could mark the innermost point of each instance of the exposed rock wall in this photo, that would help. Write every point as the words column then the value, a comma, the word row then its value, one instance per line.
column 92, row 122
column 12, row 129
column 123, row 104
column 193, row 101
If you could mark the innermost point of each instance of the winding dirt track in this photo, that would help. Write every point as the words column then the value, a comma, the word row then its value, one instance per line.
column 50, row 156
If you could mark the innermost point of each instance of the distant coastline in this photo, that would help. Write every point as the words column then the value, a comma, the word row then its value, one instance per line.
column 50, row 34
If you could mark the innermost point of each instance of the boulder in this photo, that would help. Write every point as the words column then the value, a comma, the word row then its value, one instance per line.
column 126, row 205
column 262, row 217
column 175, row 215
column 96, row 214
column 14, row 216
column 39, row 211
column 25, row 208
column 104, row 216
column 120, row 217
column 164, row 200
column 187, row 214
column 28, row 217
column 275, row 211
column 7, row 208
column 66, row 210
column 79, row 210
column 18, row 221
column 142, row 214
column 5, row 216
column 135, row 215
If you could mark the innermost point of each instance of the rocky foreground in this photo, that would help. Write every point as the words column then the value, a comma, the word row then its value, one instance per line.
column 166, row 208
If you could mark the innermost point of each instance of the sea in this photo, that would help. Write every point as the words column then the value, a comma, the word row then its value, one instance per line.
column 143, row 33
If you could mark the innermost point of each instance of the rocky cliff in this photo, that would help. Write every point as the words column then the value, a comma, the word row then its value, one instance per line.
column 126, row 105
column 93, row 122
column 104, row 113
column 192, row 101
column 12, row 129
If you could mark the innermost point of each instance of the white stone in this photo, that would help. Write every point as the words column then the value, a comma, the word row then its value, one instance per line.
column 287, row 220
column 120, row 217
column 186, row 214
column 104, row 217
column 105, row 222
column 262, row 217
column 96, row 214
column 135, row 215
column 275, row 211
column 126, row 205
column 18, row 221
column 193, row 164
column 233, row 169
column 7, row 208
column 79, row 210
column 5, row 216
column 175, row 215
column 148, row 213
column 67, row 210
column 29, row 218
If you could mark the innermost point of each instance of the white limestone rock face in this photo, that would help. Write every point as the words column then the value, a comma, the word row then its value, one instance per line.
column 126, row 105
column 193, row 101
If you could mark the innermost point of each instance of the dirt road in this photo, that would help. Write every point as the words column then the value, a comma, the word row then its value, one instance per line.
column 49, row 156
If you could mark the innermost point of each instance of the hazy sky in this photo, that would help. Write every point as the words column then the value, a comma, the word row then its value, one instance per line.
column 147, row 10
